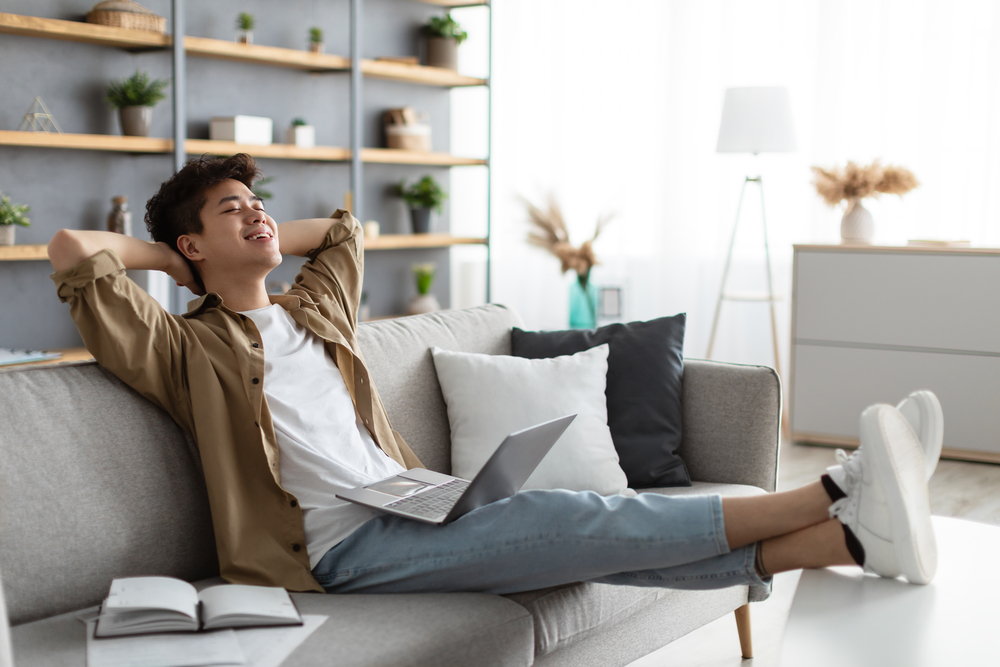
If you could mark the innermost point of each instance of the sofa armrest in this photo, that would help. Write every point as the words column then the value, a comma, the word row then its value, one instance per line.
column 732, row 422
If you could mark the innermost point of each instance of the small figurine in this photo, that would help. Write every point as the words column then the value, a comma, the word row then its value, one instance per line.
column 120, row 218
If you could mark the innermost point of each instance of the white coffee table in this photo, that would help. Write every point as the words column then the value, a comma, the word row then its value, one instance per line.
column 845, row 619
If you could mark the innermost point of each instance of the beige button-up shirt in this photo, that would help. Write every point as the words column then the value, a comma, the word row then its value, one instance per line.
column 206, row 369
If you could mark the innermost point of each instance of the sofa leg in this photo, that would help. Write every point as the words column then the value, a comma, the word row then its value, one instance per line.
column 743, row 627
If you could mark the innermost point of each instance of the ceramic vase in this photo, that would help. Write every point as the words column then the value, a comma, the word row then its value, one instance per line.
column 442, row 52
column 421, row 219
column 582, row 304
column 244, row 36
column 136, row 121
column 423, row 303
column 7, row 234
column 316, row 47
column 857, row 225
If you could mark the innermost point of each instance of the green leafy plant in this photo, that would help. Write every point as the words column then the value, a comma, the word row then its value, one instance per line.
column 13, row 214
column 425, row 193
column 316, row 35
column 245, row 21
column 446, row 27
column 424, row 275
column 259, row 191
column 136, row 91
column 299, row 122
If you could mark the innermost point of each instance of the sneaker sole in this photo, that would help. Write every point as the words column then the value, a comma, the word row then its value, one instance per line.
column 931, row 424
column 898, row 458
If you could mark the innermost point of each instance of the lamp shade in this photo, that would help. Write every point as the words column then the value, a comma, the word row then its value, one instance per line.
column 756, row 120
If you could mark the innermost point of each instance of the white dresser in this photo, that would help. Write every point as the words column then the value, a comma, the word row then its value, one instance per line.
column 872, row 323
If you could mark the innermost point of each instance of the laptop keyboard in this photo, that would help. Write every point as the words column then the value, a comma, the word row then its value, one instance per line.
column 433, row 502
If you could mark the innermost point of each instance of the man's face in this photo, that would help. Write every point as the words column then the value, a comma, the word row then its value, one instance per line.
column 237, row 234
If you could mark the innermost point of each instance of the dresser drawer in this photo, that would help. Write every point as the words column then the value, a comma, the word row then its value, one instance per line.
column 831, row 387
column 921, row 300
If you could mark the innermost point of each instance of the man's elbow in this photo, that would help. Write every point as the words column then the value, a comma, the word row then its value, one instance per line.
column 66, row 249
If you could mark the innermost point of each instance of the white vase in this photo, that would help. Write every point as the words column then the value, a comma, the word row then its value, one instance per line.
column 7, row 234
column 857, row 225
column 423, row 303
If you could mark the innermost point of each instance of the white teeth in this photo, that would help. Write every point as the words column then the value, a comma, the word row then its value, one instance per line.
column 260, row 235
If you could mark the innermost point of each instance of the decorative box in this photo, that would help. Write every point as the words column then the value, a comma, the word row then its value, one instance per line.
column 242, row 129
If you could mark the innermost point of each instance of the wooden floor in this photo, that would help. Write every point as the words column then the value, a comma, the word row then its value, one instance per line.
column 958, row 489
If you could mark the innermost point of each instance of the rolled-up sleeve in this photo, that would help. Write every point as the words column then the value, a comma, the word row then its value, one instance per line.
column 335, row 270
column 128, row 332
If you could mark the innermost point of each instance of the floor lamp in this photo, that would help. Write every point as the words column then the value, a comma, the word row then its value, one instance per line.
column 754, row 120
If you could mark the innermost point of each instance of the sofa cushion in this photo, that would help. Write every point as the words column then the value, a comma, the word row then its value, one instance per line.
column 96, row 483
column 644, row 390
column 397, row 353
column 491, row 396
column 564, row 615
column 362, row 630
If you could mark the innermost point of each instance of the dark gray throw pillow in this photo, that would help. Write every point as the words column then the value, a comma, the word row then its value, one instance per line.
column 645, row 369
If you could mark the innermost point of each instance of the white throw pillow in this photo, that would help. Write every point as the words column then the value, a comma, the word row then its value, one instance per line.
column 489, row 397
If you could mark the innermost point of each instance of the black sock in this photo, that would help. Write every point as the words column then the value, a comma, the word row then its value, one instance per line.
column 832, row 490
column 854, row 545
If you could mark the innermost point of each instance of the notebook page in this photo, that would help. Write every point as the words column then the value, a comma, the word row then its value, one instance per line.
column 237, row 600
column 177, row 650
column 153, row 593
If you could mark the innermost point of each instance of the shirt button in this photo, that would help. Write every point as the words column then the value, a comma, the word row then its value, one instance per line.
column 256, row 345
column 256, row 380
column 362, row 380
column 293, row 504
column 243, row 317
column 296, row 548
column 366, row 422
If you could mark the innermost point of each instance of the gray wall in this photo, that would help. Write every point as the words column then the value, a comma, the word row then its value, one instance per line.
column 73, row 189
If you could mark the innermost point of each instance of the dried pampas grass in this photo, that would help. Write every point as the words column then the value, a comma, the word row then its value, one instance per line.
column 549, row 232
column 855, row 182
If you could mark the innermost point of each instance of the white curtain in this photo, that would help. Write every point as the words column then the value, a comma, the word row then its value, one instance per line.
column 615, row 106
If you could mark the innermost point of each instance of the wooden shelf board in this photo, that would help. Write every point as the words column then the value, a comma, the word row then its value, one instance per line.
column 432, row 76
column 77, row 31
column 403, row 241
column 18, row 253
column 69, row 355
column 94, row 142
column 456, row 3
column 277, row 151
column 395, row 156
column 268, row 55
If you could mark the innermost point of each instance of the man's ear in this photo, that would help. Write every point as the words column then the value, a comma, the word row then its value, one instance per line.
column 188, row 247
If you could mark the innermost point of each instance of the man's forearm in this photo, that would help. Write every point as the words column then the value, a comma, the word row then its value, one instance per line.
column 69, row 247
column 297, row 237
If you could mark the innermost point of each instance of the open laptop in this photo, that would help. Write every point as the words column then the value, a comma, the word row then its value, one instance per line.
column 431, row 497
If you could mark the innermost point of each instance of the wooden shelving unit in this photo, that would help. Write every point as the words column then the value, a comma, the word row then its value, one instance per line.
column 93, row 142
column 406, row 241
column 394, row 156
column 277, row 151
column 68, row 355
column 18, row 253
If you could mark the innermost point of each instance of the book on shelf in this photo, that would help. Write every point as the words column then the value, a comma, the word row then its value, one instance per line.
column 147, row 605
column 11, row 356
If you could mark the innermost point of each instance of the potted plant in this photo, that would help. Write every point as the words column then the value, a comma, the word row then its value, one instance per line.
column 300, row 134
column 424, row 301
column 444, row 35
column 853, row 183
column 10, row 215
column 316, row 40
column 421, row 197
column 134, row 98
column 244, row 28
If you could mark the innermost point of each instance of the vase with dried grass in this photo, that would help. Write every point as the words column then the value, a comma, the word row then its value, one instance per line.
column 549, row 232
column 853, row 183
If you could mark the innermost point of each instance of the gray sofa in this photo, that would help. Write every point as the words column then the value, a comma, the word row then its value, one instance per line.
column 96, row 483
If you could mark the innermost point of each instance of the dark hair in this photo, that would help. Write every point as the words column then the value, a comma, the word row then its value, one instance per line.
column 175, row 210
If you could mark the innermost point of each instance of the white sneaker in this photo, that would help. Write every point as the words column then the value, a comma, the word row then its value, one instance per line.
column 888, row 509
column 923, row 412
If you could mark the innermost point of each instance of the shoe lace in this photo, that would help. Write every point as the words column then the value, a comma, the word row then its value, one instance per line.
column 846, row 508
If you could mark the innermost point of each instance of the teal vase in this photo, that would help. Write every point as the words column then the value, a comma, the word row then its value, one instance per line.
column 582, row 305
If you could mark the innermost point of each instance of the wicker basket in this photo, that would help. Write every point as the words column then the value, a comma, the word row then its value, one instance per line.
column 126, row 14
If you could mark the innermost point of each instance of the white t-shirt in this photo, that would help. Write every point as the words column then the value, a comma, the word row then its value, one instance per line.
column 324, row 448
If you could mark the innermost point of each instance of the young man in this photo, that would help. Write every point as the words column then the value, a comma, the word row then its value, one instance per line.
column 276, row 394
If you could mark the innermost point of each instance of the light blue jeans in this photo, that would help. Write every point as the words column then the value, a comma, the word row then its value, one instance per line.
column 537, row 539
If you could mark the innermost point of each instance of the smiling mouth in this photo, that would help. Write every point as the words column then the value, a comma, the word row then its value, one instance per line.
column 260, row 235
